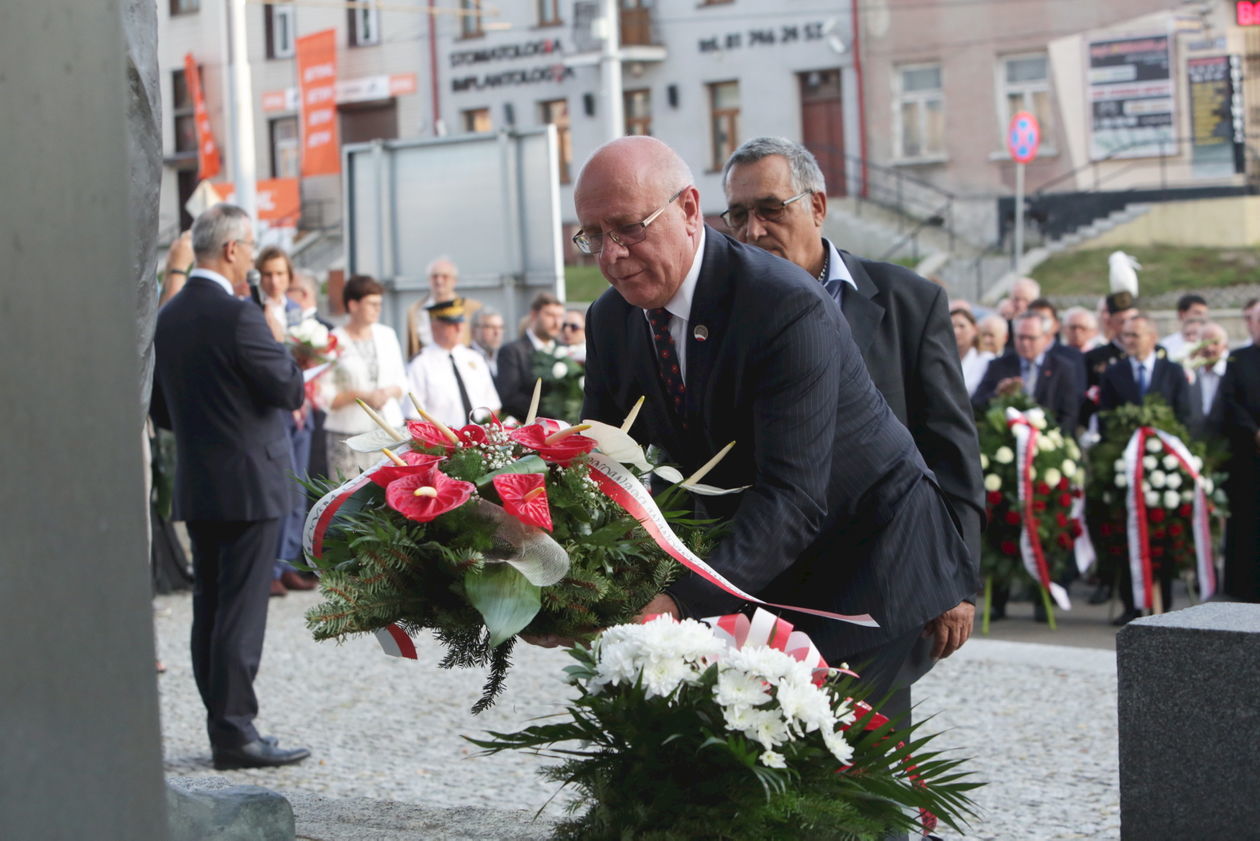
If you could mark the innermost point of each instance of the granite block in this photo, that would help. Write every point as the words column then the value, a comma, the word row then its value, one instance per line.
column 214, row 809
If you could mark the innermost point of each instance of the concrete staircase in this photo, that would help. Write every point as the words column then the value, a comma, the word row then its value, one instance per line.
column 877, row 232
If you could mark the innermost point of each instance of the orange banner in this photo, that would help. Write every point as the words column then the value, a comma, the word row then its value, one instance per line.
column 317, row 85
column 279, row 200
column 208, row 163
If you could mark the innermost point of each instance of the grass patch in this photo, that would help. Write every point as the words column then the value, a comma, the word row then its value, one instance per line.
column 1165, row 269
column 583, row 284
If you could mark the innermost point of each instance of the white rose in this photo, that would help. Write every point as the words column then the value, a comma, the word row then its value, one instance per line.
column 984, row 462
column 1074, row 452
column 1069, row 467
column 1153, row 445
column 1171, row 499
column 1052, row 477
column 993, row 482
column 1046, row 444
column 1150, row 463
column 1170, row 462
column 1004, row 455
column 1037, row 417
column 1186, row 496
column 1152, row 499
column 1158, row 478
column 1172, row 480
column 1122, row 481
column 1146, row 487
column 559, row 370
column 1197, row 462
column 1119, row 465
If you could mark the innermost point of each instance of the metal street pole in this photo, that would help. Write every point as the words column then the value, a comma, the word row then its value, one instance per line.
column 240, row 111
column 1019, row 214
column 610, row 71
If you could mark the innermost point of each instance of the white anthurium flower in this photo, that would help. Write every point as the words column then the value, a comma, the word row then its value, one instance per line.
column 559, row 370
column 1172, row 480
column 1171, row 499
column 1158, row 478
column 1052, row 476
column 1171, row 462
column 1150, row 463
column 377, row 440
column 1004, row 455
column 993, row 482
column 1069, row 468
column 1122, row 480
column 670, row 474
column 618, row 445
column 984, row 462
column 1153, row 499
column 710, row 490
column 1154, row 445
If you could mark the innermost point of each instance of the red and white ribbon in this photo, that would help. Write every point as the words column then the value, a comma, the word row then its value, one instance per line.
column 764, row 628
column 1138, row 529
column 1083, row 544
column 1030, row 549
column 625, row 489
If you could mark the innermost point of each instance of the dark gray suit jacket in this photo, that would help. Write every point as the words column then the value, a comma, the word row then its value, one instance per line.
column 1210, row 424
column 836, row 481
column 900, row 324
column 1118, row 387
column 515, row 380
column 1057, row 390
column 222, row 383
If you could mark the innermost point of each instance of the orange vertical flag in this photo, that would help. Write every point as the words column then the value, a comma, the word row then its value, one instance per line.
column 317, row 83
column 208, row 163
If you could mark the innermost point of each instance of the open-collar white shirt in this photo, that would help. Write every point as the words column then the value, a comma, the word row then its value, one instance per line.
column 679, row 307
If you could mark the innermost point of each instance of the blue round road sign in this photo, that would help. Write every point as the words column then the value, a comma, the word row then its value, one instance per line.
column 1023, row 138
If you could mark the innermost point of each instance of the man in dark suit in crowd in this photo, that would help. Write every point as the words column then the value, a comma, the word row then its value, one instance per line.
column 1119, row 307
column 1242, row 429
column 1207, row 400
column 1058, row 347
column 224, row 384
column 515, row 380
column 777, row 200
column 1143, row 371
column 1032, row 369
column 729, row 343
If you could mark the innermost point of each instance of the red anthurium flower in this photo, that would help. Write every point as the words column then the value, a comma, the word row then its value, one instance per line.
column 428, row 435
column 472, row 434
column 416, row 463
column 524, row 496
column 541, row 437
column 426, row 496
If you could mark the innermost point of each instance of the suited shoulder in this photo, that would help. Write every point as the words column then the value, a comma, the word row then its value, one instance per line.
column 900, row 282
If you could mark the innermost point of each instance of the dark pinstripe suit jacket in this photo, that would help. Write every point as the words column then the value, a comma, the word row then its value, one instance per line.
column 829, row 465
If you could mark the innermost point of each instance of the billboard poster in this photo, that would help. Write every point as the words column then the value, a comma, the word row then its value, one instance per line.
column 1211, row 95
column 1130, row 96
column 317, row 84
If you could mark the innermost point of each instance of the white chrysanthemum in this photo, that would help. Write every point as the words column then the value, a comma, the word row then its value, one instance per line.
column 1119, row 465
column 738, row 688
column 1036, row 417
column 1152, row 499
column 1069, row 468
column 1150, row 463
column 1197, row 463
column 1158, row 478
column 806, row 704
column 984, row 462
column 1171, row 499
column 772, row 759
column 1187, row 495
column 1154, row 445
column 1046, row 444
column 1146, row 487
column 768, row 663
column 993, row 482
column 1004, row 455
column 662, row 676
column 838, row 745
column 1073, row 451
column 559, row 370
column 1172, row 480
column 768, row 728
column 1053, row 476
column 738, row 718
column 1171, row 462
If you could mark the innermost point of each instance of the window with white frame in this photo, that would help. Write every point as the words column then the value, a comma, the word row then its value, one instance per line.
column 1024, row 85
column 278, row 23
column 920, row 112
column 365, row 25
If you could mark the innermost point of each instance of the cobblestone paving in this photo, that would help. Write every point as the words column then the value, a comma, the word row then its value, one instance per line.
column 1038, row 721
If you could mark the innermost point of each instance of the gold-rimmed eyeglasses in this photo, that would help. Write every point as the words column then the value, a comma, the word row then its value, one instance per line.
column 625, row 235
column 768, row 210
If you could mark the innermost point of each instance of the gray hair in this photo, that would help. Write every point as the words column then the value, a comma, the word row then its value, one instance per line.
column 428, row 270
column 216, row 227
column 1090, row 318
column 307, row 281
column 806, row 176
column 1212, row 325
column 482, row 314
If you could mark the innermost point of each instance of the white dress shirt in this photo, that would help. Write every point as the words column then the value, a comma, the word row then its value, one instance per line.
column 679, row 308
column 432, row 379
column 974, row 364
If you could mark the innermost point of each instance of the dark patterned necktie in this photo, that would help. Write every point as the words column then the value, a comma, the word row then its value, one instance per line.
column 667, row 359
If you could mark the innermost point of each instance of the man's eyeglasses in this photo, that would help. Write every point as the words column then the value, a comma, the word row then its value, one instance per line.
column 570, row 326
column 767, row 211
column 253, row 244
column 625, row 236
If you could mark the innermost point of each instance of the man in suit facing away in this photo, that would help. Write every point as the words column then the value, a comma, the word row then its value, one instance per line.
column 777, row 200
column 1046, row 378
column 224, row 384
column 730, row 343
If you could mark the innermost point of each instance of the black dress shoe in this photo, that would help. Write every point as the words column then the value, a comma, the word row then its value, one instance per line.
column 1101, row 594
column 1126, row 617
column 260, row 753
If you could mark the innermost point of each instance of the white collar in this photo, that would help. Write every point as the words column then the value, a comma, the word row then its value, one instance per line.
column 216, row 277
column 538, row 343
column 836, row 268
column 1148, row 363
column 679, row 306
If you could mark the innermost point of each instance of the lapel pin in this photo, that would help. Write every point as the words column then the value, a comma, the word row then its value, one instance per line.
column 700, row 333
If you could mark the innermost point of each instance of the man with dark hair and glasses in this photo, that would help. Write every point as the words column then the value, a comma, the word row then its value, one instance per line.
column 728, row 343
column 777, row 200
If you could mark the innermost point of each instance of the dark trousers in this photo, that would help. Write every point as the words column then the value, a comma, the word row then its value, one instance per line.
column 231, row 579
column 289, row 545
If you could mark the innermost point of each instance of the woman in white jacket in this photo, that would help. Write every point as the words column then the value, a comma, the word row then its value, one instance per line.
column 370, row 368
